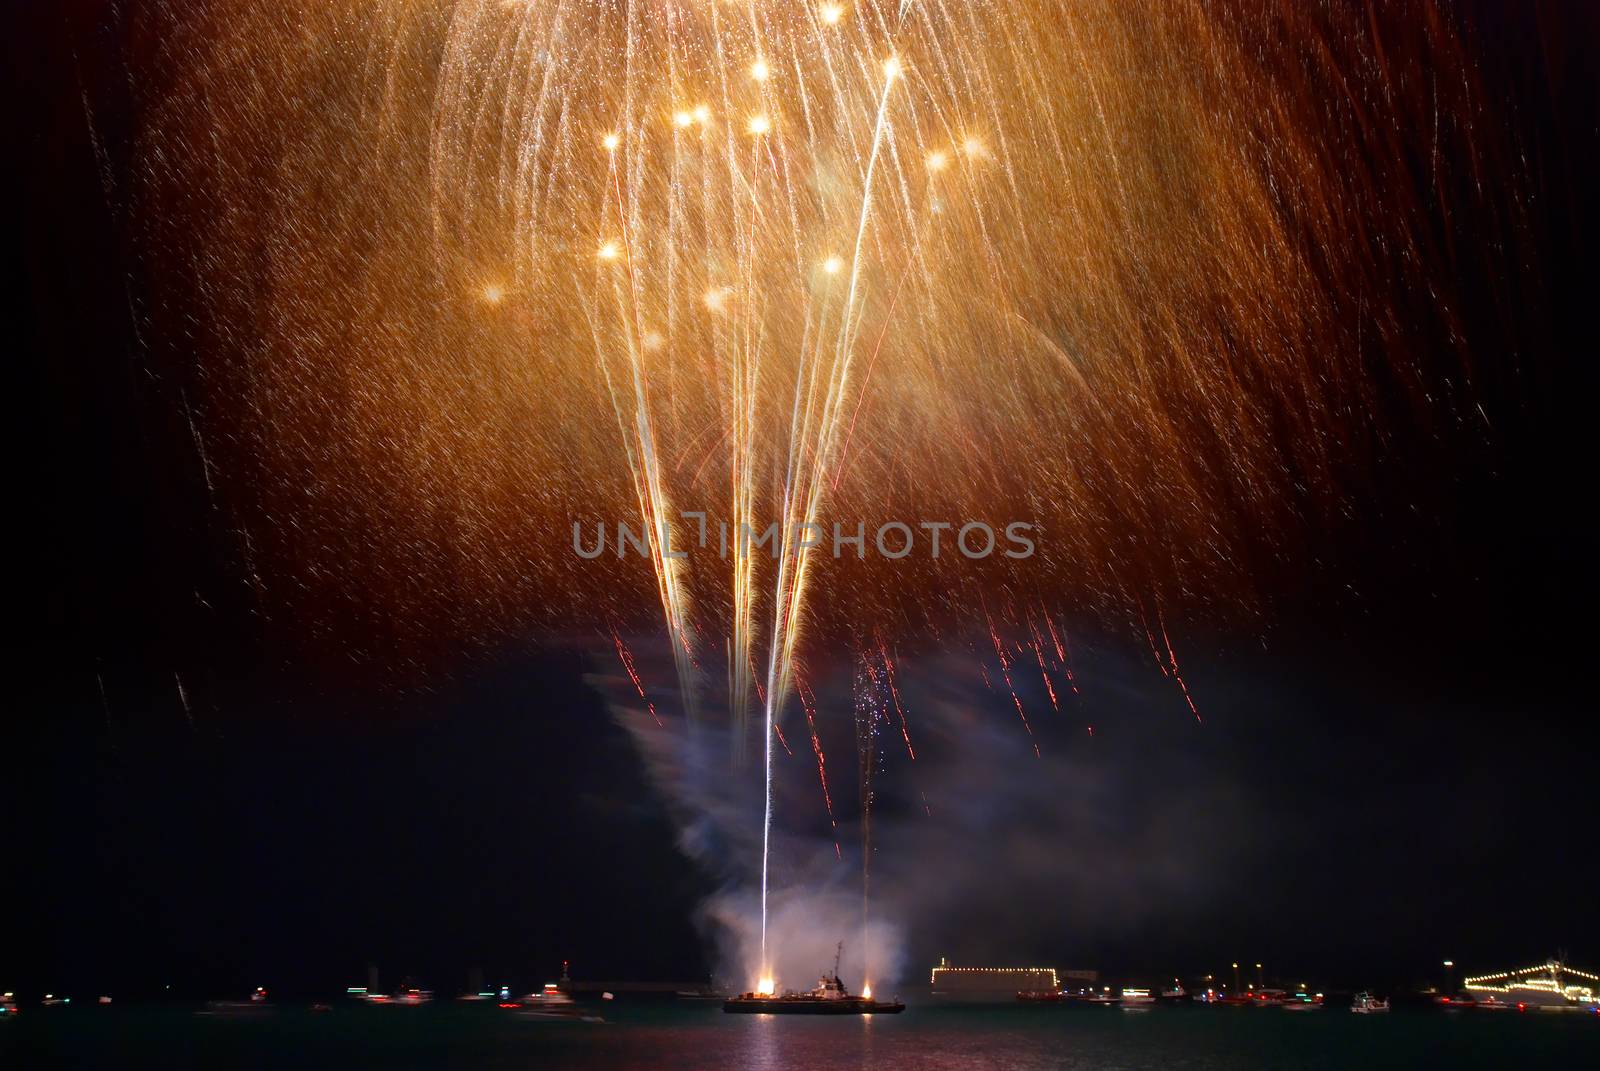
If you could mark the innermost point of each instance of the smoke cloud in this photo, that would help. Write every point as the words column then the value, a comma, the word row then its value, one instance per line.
column 979, row 848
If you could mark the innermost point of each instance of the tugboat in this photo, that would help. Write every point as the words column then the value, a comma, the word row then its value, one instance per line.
column 830, row 997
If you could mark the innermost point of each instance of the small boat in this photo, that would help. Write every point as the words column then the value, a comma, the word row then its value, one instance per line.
column 1494, row 1004
column 1367, row 1004
column 1137, row 997
column 1269, row 998
column 1303, row 1001
column 256, row 1005
column 1175, row 993
column 830, row 997
column 8, row 1005
column 550, row 1003
column 1105, row 997
column 1041, row 996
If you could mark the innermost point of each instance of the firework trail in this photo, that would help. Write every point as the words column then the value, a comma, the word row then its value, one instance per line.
column 183, row 699
column 894, row 692
column 626, row 657
column 1172, row 662
column 1166, row 659
column 869, row 716
column 808, row 702
column 1005, row 673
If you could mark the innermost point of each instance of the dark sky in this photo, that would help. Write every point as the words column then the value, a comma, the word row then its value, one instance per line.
column 1411, row 738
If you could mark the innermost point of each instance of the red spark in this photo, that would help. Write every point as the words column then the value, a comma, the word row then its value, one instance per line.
column 894, row 691
column 808, row 704
column 633, row 675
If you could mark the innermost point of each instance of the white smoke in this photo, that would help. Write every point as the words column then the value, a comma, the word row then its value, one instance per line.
column 977, row 827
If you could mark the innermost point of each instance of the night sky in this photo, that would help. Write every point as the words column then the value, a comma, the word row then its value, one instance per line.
column 1407, row 734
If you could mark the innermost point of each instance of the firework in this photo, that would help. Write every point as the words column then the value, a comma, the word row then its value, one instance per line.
column 470, row 273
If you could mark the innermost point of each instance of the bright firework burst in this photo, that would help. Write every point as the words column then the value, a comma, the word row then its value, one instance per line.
column 477, row 271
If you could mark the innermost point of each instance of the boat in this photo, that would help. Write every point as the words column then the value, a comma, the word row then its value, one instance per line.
column 1549, row 986
column 257, row 1004
column 1494, row 1004
column 830, row 997
column 1041, row 996
column 1175, row 993
column 1105, row 996
column 1367, row 1004
column 1269, row 998
column 549, row 1003
column 8, row 1005
column 1303, row 1001
column 1137, row 997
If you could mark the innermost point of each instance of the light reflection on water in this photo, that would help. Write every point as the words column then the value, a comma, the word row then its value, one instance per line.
column 699, row 1037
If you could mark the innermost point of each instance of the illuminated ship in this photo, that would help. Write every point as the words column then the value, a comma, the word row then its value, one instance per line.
column 1303, row 1001
column 830, row 997
column 1551, row 985
column 1367, row 1004
column 549, row 1003
column 968, row 983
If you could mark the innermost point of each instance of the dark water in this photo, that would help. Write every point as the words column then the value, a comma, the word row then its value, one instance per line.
column 701, row 1037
